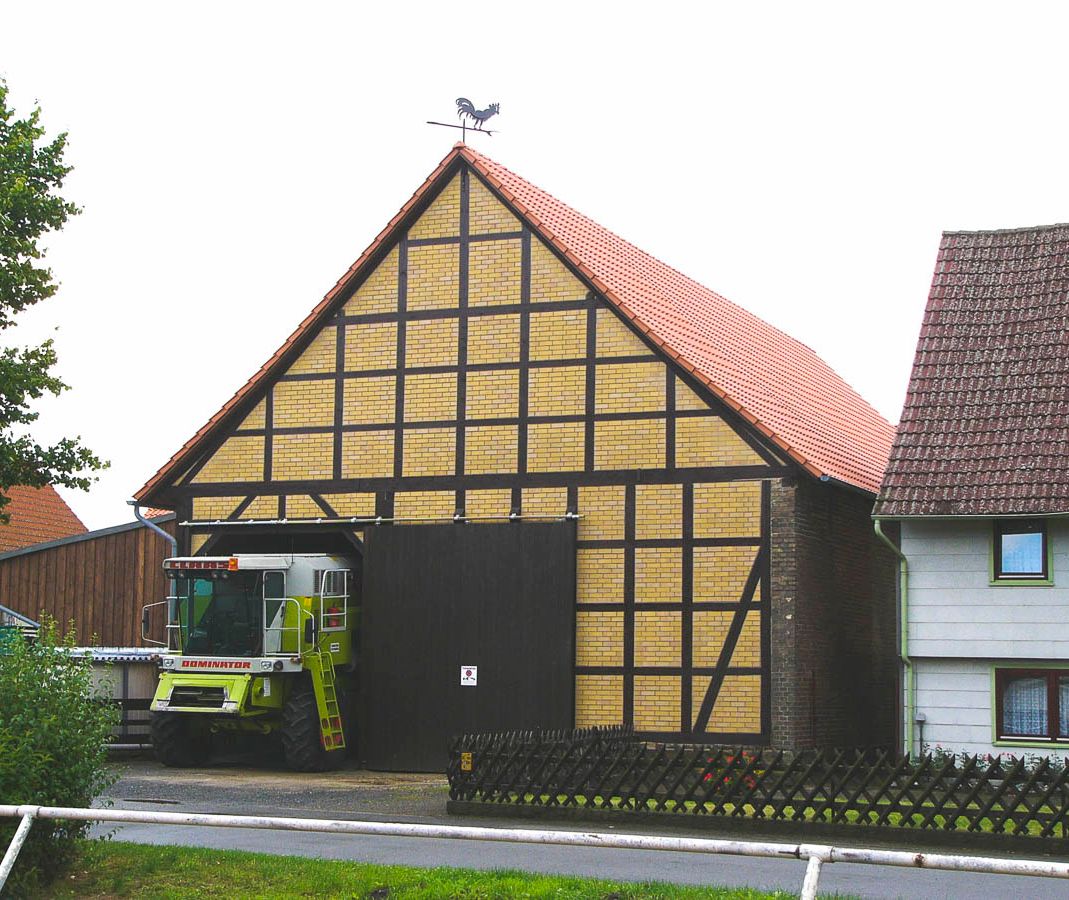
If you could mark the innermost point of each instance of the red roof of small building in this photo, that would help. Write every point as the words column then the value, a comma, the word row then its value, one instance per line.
column 37, row 515
column 985, row 429
column 779, row 385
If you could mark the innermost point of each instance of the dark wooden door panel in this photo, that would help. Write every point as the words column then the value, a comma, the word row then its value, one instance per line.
column 438, row 597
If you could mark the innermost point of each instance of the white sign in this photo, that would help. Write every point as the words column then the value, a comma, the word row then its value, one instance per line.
column 469, row 676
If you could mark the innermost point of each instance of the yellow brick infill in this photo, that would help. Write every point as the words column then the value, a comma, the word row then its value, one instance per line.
column 550, row 280
column 490, row 450
column 657, row 701
column 378, row 293
column 489, row 503
column 361, row 504
column 614, row 338
column 255, row 419
column 657, row 639
column 493, row 394
column 431, row 342
column 433, row 277
column 560, row 334
column 370, row 401
column 301, row 506
column 544, row 501
column 599, row 638
column 367, row 454
column 320, row 355
column 709, row 441
column 486, row 214
column 720, row 573
column 556, row 447
column 658, row 575
column 425, row 505
column 442, row 218
column 630, row 387
column 215, row 507
column 727, row 509
column 658, row 511
column 557, row 391
column 602, row 509
column 429, row 451
column 430, row 398
column 302, row 457
column 598, row 700
column 494, row 273
column 629, row 444
column 262, row 507
column 238, row 459
column 370, row 346
column 599, row 575
column 303, row 404
column 493, row 339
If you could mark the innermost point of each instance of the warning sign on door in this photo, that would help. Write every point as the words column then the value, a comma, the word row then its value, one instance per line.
column 469, row 676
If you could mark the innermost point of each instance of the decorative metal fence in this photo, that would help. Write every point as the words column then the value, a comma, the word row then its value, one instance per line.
column 610, row 769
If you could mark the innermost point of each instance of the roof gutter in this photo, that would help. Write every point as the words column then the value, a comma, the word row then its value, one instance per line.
column 909, row 675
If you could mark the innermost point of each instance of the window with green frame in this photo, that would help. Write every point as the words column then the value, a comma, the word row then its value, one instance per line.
column 1020, row 551
column 1032, row 704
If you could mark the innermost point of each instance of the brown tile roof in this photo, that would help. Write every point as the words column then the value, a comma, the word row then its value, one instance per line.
column 776, row 383
column 984, row 429
column 37, row 515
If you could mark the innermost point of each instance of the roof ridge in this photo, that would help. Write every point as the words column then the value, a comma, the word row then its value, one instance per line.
column 1024, row 229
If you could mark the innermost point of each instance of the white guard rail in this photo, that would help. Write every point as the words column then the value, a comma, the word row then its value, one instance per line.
column 815, row 854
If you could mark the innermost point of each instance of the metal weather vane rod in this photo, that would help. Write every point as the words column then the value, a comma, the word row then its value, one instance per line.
column 466, row 111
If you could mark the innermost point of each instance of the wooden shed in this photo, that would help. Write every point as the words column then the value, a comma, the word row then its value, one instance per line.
column 99, row 580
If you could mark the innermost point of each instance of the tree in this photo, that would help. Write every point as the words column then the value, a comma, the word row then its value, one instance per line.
column 31, row 174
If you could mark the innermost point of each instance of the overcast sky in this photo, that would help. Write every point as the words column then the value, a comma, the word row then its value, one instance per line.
column 233, row 159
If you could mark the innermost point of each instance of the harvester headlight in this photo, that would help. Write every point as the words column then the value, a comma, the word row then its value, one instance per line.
column 278, row 665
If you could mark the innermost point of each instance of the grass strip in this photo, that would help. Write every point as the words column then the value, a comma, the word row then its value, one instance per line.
column 114, row 869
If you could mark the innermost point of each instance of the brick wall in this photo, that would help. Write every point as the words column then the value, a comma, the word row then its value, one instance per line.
column 833, row 624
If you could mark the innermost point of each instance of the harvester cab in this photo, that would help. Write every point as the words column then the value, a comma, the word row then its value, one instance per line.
column 260, row 643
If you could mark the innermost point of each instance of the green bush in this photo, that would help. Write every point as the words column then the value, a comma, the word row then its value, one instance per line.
column 54, row 728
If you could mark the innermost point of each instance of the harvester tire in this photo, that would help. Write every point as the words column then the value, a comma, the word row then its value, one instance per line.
column 180, row 742
column 302, row 742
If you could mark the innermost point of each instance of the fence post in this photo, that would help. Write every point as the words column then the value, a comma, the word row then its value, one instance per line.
column 16, row 845
column 812, row 876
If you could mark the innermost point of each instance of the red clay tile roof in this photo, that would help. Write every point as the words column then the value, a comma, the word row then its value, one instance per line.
column 984, row 429
column 779, row 385
column 37, row 515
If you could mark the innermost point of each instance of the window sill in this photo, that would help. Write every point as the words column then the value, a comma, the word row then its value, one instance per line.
column 1021, row 582
column 1037, row 745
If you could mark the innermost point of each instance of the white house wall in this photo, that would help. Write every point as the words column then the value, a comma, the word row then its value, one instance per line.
column 955, row 697
column 962, row 627
column 954, row 611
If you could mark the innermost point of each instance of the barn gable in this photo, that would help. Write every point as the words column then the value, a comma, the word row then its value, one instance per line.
column 471, row 369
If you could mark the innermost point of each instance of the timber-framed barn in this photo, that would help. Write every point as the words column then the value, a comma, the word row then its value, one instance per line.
column 631, row 499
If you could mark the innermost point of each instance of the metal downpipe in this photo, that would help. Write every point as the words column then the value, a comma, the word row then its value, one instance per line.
column 909, row 675
column 173, row 541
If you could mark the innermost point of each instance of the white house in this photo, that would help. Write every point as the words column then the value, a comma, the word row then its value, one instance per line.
column 978, row 483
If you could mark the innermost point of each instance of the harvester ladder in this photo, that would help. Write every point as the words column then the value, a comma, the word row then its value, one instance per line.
column 326, row 691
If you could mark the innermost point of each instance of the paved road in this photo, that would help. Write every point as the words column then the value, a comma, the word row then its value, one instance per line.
column 236, row 789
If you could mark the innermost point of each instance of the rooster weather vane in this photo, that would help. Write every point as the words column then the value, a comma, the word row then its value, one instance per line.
column 467, row 112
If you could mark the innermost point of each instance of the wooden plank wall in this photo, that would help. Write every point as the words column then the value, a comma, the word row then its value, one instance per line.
column 99, row 582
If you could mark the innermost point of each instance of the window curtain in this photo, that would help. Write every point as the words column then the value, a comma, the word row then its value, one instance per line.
column 1063, row 706
column 1024, row 706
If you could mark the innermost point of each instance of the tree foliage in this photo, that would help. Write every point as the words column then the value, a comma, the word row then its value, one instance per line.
column 31, row 174
column 54, row 727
